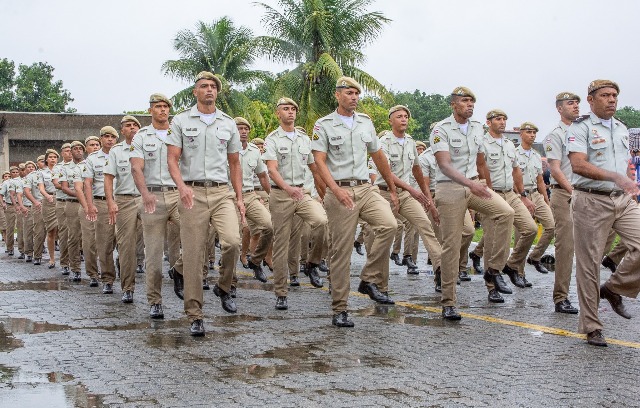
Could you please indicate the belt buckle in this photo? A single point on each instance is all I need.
(208, 183)
(353, 183)
(164, 189)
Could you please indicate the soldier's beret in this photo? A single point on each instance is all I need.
(65, 146)
(494, 113)
(6, 172)
(12, 168)
(77, 143)
(348, 82)
(242, 121)
(129, 118)
(211, 76)
(420, 143)
(567, 96)
(21, 166)
(398, 108)
(40, 158)
(602, 83)
(158, 97)
(287, 101)
(29, 162)
(463, 91)
(89, 138)
(51, 151)
(109, 130)
(257, 140)
(528, 126)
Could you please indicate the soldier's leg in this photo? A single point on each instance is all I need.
(526, 226)
(10, 214)
(63, 233)
(563, 245)
(626, 280)
(295, 244)
(545, 217)
(74, 241)
(27, 235)
(468, 232)
(127, 237)
(261, 218)
(88, 242)
(618, 252)
(104, 238)
(225, 222)
(154, 226)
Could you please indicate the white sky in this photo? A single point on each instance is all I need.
(514, 54)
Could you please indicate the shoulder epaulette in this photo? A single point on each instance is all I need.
(225, 115)
(408, 136)
(96, 152)
(251, 145)
(580, 118)
(142, 128)
(324, 118)
(363, 115)
(118, 144)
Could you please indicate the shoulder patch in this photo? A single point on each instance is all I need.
(580, 118)
(549, 148)
(315, 136)
(436, 139)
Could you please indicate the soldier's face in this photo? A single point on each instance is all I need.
(206, 91)
(569, 109)
(128, 129)
(78, 152)
(66, 154)
(108, 140)
(41, 164)
(244, 132)
(159, 112)
(15, 173)
(463, 106)
(348, 98)
(6, 176)
(604, 102)
(22, 172)
(287, 114)
(399, 121)
(260, 147)
(420, 149)
(30, 167)
(497, 124)
(528, 136)
(92, 146)
(52, 160)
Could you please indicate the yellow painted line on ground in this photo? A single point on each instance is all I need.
(496, 320)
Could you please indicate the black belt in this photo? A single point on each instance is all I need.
(552, 186)
(73, 200)
(531, 191)
(205, 183)
(293, 185)
(502, 191)
(127, 195)
(8, 203)
(248, 191)
(351, 183)
(103, 198)
(612, 193)
(258, 188)
(162, 189)
(385, 188)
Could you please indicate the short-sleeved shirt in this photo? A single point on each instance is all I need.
(293, 156)
(119, 166)
(448, 137)
(402, 157)
(72, 173)
(606, 147)
(204, 147)
(93, 169)
(46, 178)
(31, 182)
(6, 187)
(500, 156)
(555, 148)
(256, 179)
(149, 145)
(428, 165)
(530, 163)
(57, 174)
(346, 148)
(19, 184)
(252, 165)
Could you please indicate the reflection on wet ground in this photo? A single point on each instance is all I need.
(19, 325)
(20, 388)
(402, 315)
(40, 285)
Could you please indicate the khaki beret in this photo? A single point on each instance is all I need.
(348, 82)
(78, 143)
(65, 146)
(21, 166)
(528, 126)
(158, 97)
(129, 118)
(40, 158)
(602, 83)
(287, 101)
(257, 140)
(463, 91)
(12, 168)
(398, 108)
(301, 129)
(494, 113)
(109, 130)
(51, 151)
(6, 172)
(567, 96)
(211, 76)
(421, 144)
(29, 162)
(242, 121)
(88, 139)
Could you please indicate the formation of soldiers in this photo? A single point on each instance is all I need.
(174, 188)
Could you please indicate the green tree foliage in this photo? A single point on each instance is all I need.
(32, 89)
(425, 109)
(629, 116)
(325, 40)
(221, 48)
(379, 114)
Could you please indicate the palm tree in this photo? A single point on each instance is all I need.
(221, 48)
(325, 39)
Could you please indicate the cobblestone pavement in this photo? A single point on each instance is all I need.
(65, 344)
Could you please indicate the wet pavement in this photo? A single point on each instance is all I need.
(67, 345)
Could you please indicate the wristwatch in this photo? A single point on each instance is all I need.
(524, 194)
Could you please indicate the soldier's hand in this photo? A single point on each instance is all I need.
(480, 190)
(37, 204)
(629, 186)
(435, 214)
(418, 195)
(50, 198)
(149, 201)
(113, 213)
(345, 198)
(92, 213)
(242, 211)
(186, 196)
(297, 193)
(531, 207)
(394, 201)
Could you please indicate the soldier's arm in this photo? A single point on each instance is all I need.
(542, 188)
(321, 187)
(483, 170)
(80, 194)
(276, 177)
(264, 181)
(558, 175)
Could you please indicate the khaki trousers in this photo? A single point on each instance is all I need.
(618, 252)
(376, 212)
(126, 231)
(154, 229)
(283, 208)
(72, 211)
(104, 240)
(38, 231)
(412, 240)
(544, 216)
(397, 239)
(210, 205)
(20, 227)
(468, 232)
(297, 245)
(63, 233)
(27, 231)
(259, 219)
(360, 237)
(12, 219)
(173, 244)
(3, 220)
(452, 201)
(88, 240)
(597, 215)
(564, 243)
(411, 210)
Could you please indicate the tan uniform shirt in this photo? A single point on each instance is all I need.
(150, 146)
(94, 169)
(463, 148)
(555, 147)
(57, 173)
(71, 173)
(119, 166)
(46, 178)
(429, 165)
(31, 181)
(605, 147)
(204, 147)
(346, 148)
(500, 155)
(293, 156)
(252, 165)
(402, 157)
(20, 182)
(530, 163)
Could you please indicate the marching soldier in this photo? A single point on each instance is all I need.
(36, 230)
(12, 210)
(61, 201)
(48, 191)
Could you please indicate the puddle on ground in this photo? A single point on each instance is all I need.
(175, 340)
(21, 388)
(392, 314)
(39, 285)
(7, 341)
(20, 325)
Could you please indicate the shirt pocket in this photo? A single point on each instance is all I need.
(599, 145)
(150, 150)
(124, 167)
(336, 144)
(252, 163)
(283, 154)
(223, 137)
(191, 138)
(304, 153)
